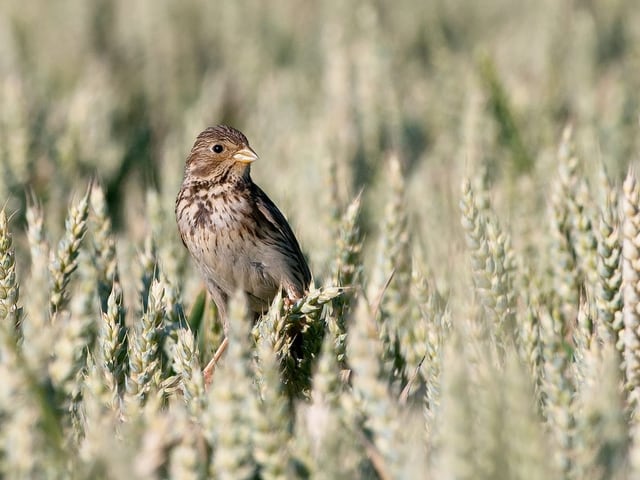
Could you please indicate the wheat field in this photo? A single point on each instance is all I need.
(461, 175)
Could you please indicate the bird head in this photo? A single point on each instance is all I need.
(218, 151)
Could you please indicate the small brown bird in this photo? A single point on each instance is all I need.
(235, 233)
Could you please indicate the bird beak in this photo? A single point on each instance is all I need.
(245, 155)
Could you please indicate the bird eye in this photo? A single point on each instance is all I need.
(217, 148)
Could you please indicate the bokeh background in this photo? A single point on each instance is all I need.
(397, 101)
(119, 91)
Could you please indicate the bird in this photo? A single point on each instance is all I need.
(237, 236)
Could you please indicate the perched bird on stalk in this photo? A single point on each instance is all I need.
(234, 232)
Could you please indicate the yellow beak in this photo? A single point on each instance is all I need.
(245, 155)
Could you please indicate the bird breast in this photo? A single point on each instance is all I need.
(215, 225)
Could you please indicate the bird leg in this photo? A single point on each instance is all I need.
(207, 373)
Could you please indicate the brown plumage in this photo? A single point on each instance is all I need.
(235, 233)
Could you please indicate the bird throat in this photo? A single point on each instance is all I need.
(211, 203)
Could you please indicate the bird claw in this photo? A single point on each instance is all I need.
(288, 303)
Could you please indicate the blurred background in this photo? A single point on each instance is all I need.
(401, 101)
(325, 91)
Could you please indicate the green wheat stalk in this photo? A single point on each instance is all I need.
(114, 342)
(10, 312)
(104, 246)
(145, 347)
(64, 262)
(609, 292)
(492, 268)
(631, 295)
(187, 367)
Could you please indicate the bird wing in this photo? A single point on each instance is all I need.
(283, 245)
